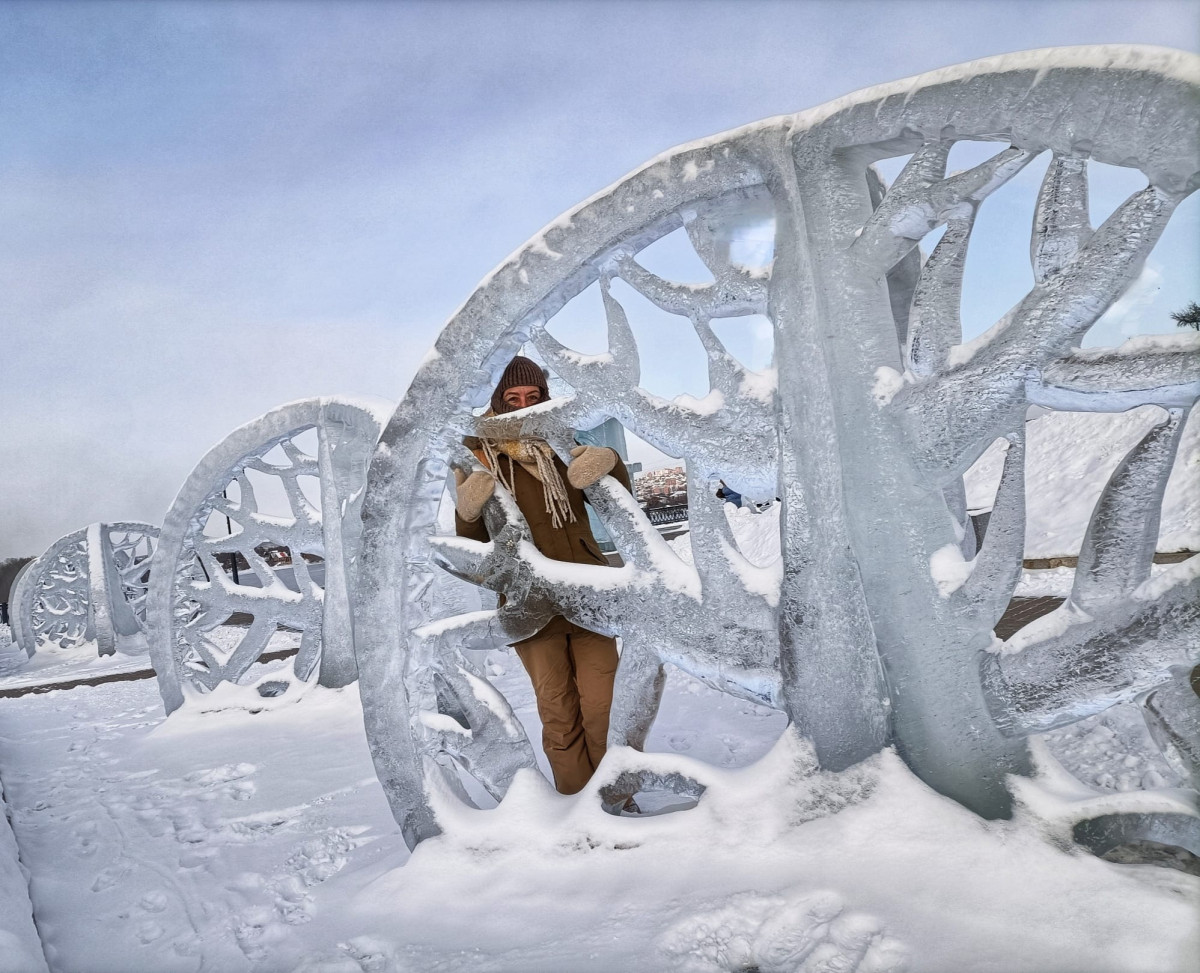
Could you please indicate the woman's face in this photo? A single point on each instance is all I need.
(522, 396)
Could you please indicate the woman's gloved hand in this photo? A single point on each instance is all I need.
(472, 493)
(588, 464)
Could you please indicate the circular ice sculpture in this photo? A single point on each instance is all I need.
(89, 585)
(880, 630)
(209, 578)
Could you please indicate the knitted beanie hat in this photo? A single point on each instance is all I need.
(520, 371)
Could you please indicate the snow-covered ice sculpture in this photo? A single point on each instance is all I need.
(1172, 712)
(89, 585)
(199, 586)
(878, 629)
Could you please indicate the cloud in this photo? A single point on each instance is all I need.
(1128, 314)
(213, 209)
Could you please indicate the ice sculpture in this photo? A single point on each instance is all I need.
(200, 586)
(880, 630)
(89, 585)
(1172, 713)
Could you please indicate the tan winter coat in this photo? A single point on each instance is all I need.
(572, 542)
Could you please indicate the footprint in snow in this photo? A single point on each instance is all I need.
(292, 901)
(241, 790)
(153, 820)
(110, 877)
(220, 775)
(196, 857)
(188, 827)
(732, 747)
(319, 859)
(149, 931)
(681, 741)
(257, 931)
(372, 955)
(188, 944)
(154, 901)
(85, 839)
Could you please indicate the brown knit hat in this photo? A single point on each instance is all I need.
(520, 371)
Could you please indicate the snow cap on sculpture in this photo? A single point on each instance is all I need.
(521, 371)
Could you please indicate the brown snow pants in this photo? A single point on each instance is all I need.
(572, 674)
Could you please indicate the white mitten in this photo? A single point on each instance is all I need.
(472, 493)
(588, 464)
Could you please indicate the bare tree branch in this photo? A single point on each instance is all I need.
(477, 729)
(735, 657)
(902, 278)
(1061, 309)
(1119, 632)
(1064, 399)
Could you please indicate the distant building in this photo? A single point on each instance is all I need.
(660, 486)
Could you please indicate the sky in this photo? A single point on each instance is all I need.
(209, 209)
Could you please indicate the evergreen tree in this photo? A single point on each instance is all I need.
(1189, 317)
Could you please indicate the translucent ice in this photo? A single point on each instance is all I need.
(873, 412)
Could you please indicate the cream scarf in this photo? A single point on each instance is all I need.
(536, 456)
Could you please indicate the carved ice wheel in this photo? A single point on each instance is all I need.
(89, 585)
(262, 538)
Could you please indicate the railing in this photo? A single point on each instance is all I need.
(668, 515)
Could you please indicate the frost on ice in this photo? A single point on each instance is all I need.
(297, 569)
(90, 585)
(878, 633)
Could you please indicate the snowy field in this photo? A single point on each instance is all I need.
(231, 841)
(1069, 458)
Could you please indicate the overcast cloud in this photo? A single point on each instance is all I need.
(209, 209)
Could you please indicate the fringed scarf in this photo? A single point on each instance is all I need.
(536, 456)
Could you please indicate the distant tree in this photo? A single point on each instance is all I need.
(1189, 317)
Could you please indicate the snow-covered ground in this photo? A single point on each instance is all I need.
(1069, 458)
(230, 841)
(756, 534)
(54, 664)
(20, 948)
(225, 839)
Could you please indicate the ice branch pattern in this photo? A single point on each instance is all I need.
(876, 627)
